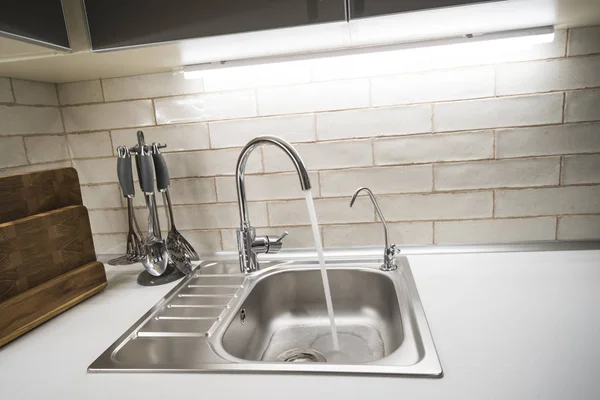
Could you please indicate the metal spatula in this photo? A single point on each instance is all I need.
(180, 250)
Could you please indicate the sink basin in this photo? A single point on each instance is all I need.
(276, 320)
(286, 310)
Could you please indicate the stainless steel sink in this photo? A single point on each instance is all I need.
(276, 320)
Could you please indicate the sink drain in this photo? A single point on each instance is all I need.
(301, 355)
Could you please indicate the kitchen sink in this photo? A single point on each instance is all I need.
(275, 320)
(286, 310)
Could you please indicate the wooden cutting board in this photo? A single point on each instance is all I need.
(36, 249)
(27, 310)
(36, 192)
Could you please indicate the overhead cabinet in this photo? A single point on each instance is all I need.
(36, 21)
(116, 23)
(371, 8)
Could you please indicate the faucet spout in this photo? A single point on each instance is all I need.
(390, 250)
(248, 244)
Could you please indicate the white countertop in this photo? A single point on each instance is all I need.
(506, 326)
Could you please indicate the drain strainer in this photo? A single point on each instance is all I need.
(301, 355)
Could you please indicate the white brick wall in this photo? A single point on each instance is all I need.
(583, 105)
(495, 230)
(205, 107)
(498, 112)
(497, 174)
(373, 122)
(434, 148)
(581, 169)
(495, 147)
(322, 96)
(434, 86)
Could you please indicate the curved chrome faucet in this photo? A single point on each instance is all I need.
(249, 245)
(390, 251)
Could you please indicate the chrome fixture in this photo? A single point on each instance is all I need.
(390, 251)
(249, 245)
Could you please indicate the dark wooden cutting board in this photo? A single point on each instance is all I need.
(36, 192)
(41, 247)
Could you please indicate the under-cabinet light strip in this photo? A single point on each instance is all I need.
(517, 37)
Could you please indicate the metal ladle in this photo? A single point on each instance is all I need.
(156, 256)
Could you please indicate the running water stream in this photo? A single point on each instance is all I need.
(315, 228)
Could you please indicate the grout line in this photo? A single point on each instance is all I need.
(433, 229)
(373, 163)
(320, 184)
(112, 143)
(567, 46)
(36, 105)
(495, 151)
(556, 228)
(262, 160)
(214, 180)
(154, 112)
(12, 91)
(221, 236)
(493, 204)
(268, 214)
(101, 91)
(62, 120)
(210, 147)
(26, 151)
(564, 107)
(433, 168)
(560, 171)
(58, 100)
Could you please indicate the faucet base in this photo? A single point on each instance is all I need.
(248, 260)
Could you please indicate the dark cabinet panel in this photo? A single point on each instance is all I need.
(122, 23)
(370, 8)
(39, 21)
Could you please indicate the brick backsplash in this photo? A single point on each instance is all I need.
(477, 148)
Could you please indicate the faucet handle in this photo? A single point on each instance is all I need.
(275, 244)
(280, 239)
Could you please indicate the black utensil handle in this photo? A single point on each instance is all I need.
(162, 172)
(125, 175)
(146, 173)
(138, 169)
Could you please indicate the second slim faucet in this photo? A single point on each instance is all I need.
(389, 253)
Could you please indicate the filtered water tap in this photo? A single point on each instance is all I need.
(390, 250)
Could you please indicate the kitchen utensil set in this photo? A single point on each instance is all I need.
(152, 251)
